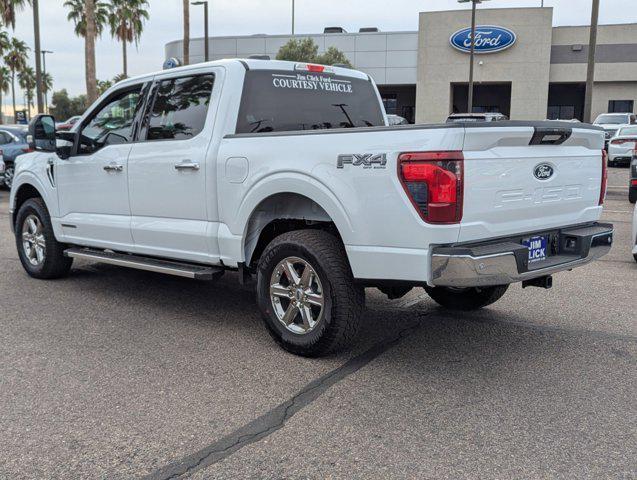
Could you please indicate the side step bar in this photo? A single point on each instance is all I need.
(187, 270)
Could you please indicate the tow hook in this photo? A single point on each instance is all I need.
(542, 282)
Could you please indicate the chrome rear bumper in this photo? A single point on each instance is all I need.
(505, 261)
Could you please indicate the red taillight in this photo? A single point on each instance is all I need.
(633, 182)
(27, 150)
(433, 182)
(602, 190)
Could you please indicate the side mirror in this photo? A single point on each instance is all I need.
(41, 136)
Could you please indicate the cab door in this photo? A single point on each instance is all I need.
(172, 169)
(93, 182)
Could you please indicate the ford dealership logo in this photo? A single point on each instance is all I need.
(543, 171)
(489, 39)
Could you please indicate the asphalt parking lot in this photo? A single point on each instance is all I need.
(114, 373)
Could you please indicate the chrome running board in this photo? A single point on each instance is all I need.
(179, 269)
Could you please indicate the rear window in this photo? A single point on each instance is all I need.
(612, 119)
(284, 101)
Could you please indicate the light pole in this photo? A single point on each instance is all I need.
(205, 21)
(590, 74)
(473, 47)
(293, 1)
(44, 90)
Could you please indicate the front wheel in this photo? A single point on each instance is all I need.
(307, 295)
(8, 176)
(472, 298)
(41, 255)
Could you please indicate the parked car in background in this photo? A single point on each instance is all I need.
(68, 124)
(632, 186)
(622, 146)
(635, 233)
(13, 143)
(397, 120)
(476, 117)
(611, 122)
(1, 165)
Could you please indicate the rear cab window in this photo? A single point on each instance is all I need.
(287, 101)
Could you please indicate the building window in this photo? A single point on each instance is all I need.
(621, 106)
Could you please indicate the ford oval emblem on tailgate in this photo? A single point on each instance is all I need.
(543, 171)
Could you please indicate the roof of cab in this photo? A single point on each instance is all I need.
(249, 64)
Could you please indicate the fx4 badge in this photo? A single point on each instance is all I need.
(366, 160)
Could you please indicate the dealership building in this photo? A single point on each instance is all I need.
(525, 67)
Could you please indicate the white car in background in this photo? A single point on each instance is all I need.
(611, 122)
(622, 146)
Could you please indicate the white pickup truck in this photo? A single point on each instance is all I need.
(289, 172)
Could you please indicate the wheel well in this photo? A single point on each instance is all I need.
(24, 193)
(281, 213)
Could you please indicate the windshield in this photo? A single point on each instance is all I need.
(284, 101)
(612, 119)
(628, 131)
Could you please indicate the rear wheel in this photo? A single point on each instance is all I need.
(41, 255)
(466, 299)
(307, 294)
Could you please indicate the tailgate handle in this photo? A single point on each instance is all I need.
(550, 136)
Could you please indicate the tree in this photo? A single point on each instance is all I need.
(27, 82)
(16, 60)
(119, 77)
(76, 15)
(47, 86)
(90, 17)
(8, 10)
(186, 42)
(63, 106)
(304, 50)
(5, 85)
(103, 85)
(333, 56)
(127, 23)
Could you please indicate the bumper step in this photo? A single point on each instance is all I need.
(178, 269)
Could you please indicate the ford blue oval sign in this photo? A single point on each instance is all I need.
(489, 39)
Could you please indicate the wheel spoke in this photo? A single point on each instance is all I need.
(39, 254)
(279, 290)
(293, 277)
(315, 299)
(290, 314)
(306, 278)
(39, 241)
(306, 316)
(32, 225)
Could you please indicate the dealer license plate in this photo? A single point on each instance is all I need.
(538, 248)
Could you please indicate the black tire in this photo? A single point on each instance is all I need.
(466, 299)
(338, 324)
(635, 256)
(632, 195)
(54, 263)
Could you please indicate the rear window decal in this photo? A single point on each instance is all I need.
(311, 82)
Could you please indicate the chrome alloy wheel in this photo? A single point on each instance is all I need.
(33, 241)
(8, 177)
(297, 295)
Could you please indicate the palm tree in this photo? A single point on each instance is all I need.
(47, 86)
(127, 23)
(186, 58)
(5, 85)
(16, 60)
(26, 80)
(8, 10)
(89, 17)
(76, 15)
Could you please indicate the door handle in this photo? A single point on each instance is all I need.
(113, 168)
(187, 165)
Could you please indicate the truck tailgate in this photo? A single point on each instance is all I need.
(530, 177)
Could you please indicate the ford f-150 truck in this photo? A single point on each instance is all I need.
(289, 172)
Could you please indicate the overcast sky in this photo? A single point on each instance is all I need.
(245, 17)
